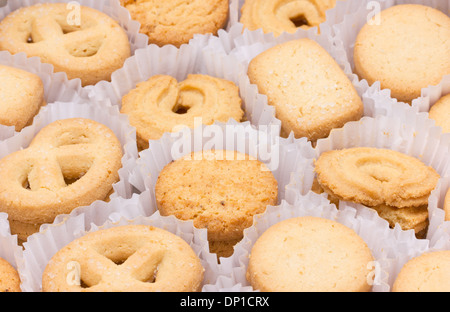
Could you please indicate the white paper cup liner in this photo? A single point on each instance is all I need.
(282, 157)
(431, 95)
(9, 247)
(235, 35)
(383, 242)
(345, 32)
(108, 116)
(57, 87)
(179, 63)
(42, 246)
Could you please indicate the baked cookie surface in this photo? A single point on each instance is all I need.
(278, 16)
(9, 277)
(310, 92)
(218, 190)
(396, 185)
(309, 254)
(177, 21)
(90, 48)
(21, 97)
(429, 272)
(69, 163)
(133, 258)
(408, 51)
(440, 112)
(162, 104)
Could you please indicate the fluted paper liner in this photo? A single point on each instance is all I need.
(281, 156)
(9, 247)
(236, 35)
(179, 63)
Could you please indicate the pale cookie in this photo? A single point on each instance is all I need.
(396, 185)
(279, 16)
(70, 163)
(21, 97)
(9, 277)
(440, 112)
(175, 22)
(132, 258)
(429, 272)
(310, 92)
(447, 206)
(89, 46)
(219, 190)
(406, 49)
(162, 104)
(309, 254)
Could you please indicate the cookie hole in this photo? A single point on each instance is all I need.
(84, 285)
(30, 39)
(26, 184)
(300, 20)
(69, 180)
(181, 110)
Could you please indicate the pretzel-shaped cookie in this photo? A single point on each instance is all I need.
(375, 177)
(135, 258)
(280, 16)
(90, 49)
(160, 104)
(70, 163)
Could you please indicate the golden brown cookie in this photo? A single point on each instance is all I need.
(429, 272)
(133, 258)
(219, 190)
(310, 254)
(440, 112)
(279, 16)
(162, 104)
(89, 45)
(9, 277)
(70, 163)
(447, 206)
(177, 21)
(407, 51)
(21, 97)
(310, 92)
(396, 185)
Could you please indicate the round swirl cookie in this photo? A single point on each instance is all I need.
(429, 272)
(176, 22)
(278, 16)
(440, 112)
(90, 49)
(408, 49)
(162, 104)
(309, 90)
(9, 277)
(21, 97)
(309, 254)
(218, 190)
(394, 184)
(131, 258)
(70, 163)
